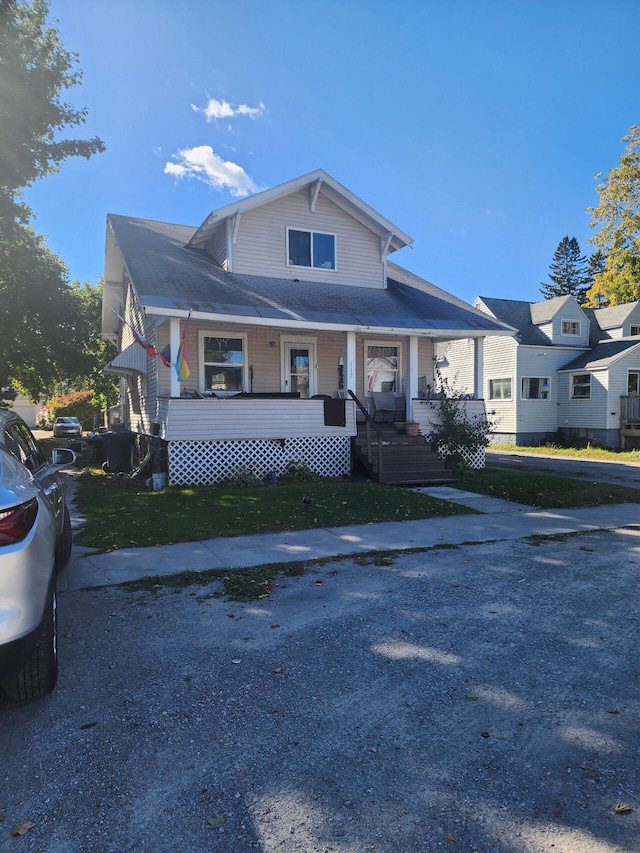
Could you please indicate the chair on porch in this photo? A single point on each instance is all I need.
(389, 408)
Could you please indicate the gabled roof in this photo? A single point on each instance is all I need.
(527, 317)
(172, 278)
(602, 356)
(614, 316)
(517, 314)
(317, 181)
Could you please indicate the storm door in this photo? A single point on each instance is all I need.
(300, 367)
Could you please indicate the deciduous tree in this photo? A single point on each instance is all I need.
(35, 299)
(617, 216)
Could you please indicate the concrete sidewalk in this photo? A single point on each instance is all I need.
(500, 520)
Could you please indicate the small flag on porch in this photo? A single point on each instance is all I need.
(182, 362)
(144, 343)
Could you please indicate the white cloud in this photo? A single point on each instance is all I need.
(223, 109)
(203, 164)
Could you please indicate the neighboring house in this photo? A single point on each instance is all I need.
(278, 297)
(568, 369)
(27, 409)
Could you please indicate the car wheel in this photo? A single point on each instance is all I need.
(39, 675)
(65, 541)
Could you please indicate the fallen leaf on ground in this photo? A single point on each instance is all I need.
(22, 828)
(621, 808)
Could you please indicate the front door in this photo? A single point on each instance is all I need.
(300, 367)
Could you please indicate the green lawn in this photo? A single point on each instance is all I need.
(122, 513)
(575, 453)
(546, 491)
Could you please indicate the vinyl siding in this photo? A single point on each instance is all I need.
(571, 311)
(500, 363)
(583, 413)
(541, 362)
(193, 420)
(262, 242)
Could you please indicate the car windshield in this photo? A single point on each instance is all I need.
(67, 420)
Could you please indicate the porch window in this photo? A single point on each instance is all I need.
(500, 389)
(571, 327)
(633, 382)
(382, 367)
(581, 386)
(535, 387)
(223, 361)
(311, 249)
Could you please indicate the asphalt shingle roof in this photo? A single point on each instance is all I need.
(602, 356)
(166, 274)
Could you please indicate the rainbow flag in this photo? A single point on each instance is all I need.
(182, 362)
(144, 343)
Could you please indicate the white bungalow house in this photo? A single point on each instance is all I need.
(278, 298)
(568, 369)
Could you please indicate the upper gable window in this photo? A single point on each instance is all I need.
(571, 327)
(311, 249)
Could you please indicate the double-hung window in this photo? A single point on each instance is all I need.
(633, 382)
(581, 386)
(311, 249)
(634, 331)
(571, 327)
(223, 362)
(382, 363)
(500, 389)
(535, 387)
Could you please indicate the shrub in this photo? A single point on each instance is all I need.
(301, 473)
(244, 478)
(79, 404)
(459, 435)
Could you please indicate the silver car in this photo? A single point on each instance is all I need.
(67, 427)
(35, 543)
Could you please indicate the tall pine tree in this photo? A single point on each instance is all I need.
(569, 273)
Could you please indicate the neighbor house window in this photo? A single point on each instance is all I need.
(633, 382)
(311, 249)
(382, 366)
(535, 388)
(570, 327)
(635, 331)
(223, 362)
(500, 389)
(581, 386)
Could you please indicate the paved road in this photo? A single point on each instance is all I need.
(618, 473)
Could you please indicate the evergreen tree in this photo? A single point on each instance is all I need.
(568, 272)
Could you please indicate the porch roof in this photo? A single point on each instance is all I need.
(170, 278)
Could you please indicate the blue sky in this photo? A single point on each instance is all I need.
(475, 126)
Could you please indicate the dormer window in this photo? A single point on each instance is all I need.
(635, 331)
(571, 327)
(311, 249)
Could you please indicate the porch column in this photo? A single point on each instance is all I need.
(478, 368)
(412, 374)
(350, 362)
(174, 343)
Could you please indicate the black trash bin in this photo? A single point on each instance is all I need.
(95, 449)
(118, 450)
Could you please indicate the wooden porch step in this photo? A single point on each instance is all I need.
(406, 460)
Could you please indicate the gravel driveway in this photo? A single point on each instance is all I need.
(478, 698)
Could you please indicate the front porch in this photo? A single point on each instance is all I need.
(209, 439)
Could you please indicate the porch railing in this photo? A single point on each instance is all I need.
(370, 426)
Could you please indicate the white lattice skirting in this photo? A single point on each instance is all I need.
(475, 459)
(205, 463)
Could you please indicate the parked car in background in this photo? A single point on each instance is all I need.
(67, 427)
(35, 543)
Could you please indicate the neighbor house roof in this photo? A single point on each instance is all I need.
(171, 277)
(602, 356)
(517, 313)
